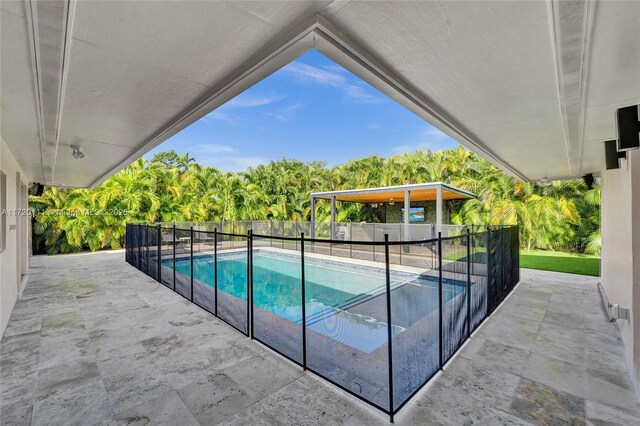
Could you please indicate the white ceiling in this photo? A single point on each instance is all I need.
(532, 86)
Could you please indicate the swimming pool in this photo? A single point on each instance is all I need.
(344, 301)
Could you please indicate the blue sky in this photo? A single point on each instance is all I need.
(311, 109)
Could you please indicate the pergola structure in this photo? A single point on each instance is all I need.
(432, 191)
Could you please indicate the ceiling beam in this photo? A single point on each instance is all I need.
(49, 26)
(571, 24)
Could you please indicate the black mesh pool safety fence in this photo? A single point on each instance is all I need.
(376, 318)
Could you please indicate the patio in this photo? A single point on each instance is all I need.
(93, 340)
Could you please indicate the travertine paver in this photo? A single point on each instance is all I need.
(94, 341)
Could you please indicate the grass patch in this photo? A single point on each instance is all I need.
(557, 261)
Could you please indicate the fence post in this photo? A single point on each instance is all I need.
(129, 242)
(389, 324)
(502, 268)
(137, 228)
(304, 303)
(146, 246)
(440, 339)
(174, 256)
(142, 249)
(140, 246)
(331, 239)
(473, 249)
(517, 253)
(215, 271)
(191, 260)
(468, 282)
(149, 228)
(250, 283)
(350, 240)
(159, 256)
(126, 243)
(373, 233)
(489, 261)
(143, 246)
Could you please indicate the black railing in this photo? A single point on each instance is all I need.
(378, 323)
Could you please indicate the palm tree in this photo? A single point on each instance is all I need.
(562, 216)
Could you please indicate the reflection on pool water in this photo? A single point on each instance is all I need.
(344, 301)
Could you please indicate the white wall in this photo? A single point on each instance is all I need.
(11, 282)
(621, 250)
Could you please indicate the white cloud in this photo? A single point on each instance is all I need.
(429, 139)
(213, 149)
(224, 157)
(433, 132)
(314, 75)
(223, 116)
(241, 101)
(249, 101)
(286, 113)
(335, 68)
(329, 77)
(359, 95)
(233, 163)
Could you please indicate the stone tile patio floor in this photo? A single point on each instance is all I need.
(94, 341)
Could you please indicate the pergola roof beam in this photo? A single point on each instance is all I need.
(419, 192)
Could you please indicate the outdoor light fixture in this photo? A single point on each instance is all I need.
(391, 202)
(36, 189)
(76, 152)
(588, 180)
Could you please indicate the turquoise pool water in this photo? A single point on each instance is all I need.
(344, 301)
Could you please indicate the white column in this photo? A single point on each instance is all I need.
(438, 208)
(407, 214)
(313, 217)
(333, 217)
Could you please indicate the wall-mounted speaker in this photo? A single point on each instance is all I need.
(628, 128)
(36, 189)
(611, 155)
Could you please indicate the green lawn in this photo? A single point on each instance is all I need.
(572, 263)
(557, 261)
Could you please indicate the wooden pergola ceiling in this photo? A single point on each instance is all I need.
(425, 192)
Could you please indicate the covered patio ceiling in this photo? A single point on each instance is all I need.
(531, 86)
